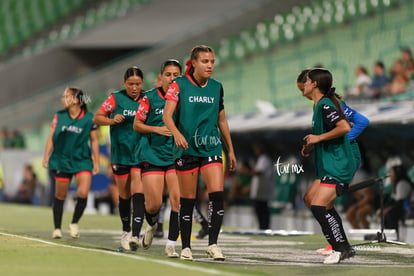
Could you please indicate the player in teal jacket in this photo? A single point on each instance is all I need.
(198, 130)
(68, 154)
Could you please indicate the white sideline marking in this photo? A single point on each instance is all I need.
(168, 263)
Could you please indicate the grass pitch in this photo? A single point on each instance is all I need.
(26, 248)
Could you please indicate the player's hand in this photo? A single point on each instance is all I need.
(118, 118)
(163, 130)
(306, 149)
(180, 141)
(232, 162)
(96, 168)
(311, 139)
(45, 163)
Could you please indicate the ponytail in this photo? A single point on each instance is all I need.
(189, 70)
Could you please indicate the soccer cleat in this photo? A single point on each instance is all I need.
(186, 254)
(202, 233)
(74, 230)
(214, 252)
(333, 258)
(325, 251)
(125, 238)
(57, 234)
(348, 253)
(148, 236)
(134, 243)
(170, 251)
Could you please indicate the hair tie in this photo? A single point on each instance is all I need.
(189, 65)
(331, 92)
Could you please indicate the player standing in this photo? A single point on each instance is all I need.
(198, 130)
(67, 154)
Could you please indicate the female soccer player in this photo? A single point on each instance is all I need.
(118, 111)
(359, 123)
(67, 153)
(198, 131)
(155, 152)
(335, 164)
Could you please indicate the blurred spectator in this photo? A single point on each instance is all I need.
(363, 81)
(18, 141)
(26, 192)
(408, 62)
(1, 183)
(395, 207)
(367, 202)
(379, 80)
(399, 78)
(110, 196)
(262, 188)
(7, 142)
(240, 187)
(407, 58)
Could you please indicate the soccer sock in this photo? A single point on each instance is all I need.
(335, 214)
(186, 220)
(330, 228)
(173, 230)
(215, 215)
(199, 217)
(124, 207)
(152, 218)
(138, 210)
(79, 208)
(57, 212)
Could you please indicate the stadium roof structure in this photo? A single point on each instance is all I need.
(379, 113)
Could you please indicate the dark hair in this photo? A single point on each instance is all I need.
(133, 71)
(363, 69)
(302, 79)
(401, 174)
(380, 64)
(302, 76)
(170, 62)
(194, 55)
(200, 48)
(30, 168)
(323, 79)
(78, 94)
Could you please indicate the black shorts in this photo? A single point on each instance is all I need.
(63, 176)
(148, 168)
(121, 171)
(189, 163)
(341, 188)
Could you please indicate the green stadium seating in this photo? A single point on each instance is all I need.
(360, 38)
(24, 19)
